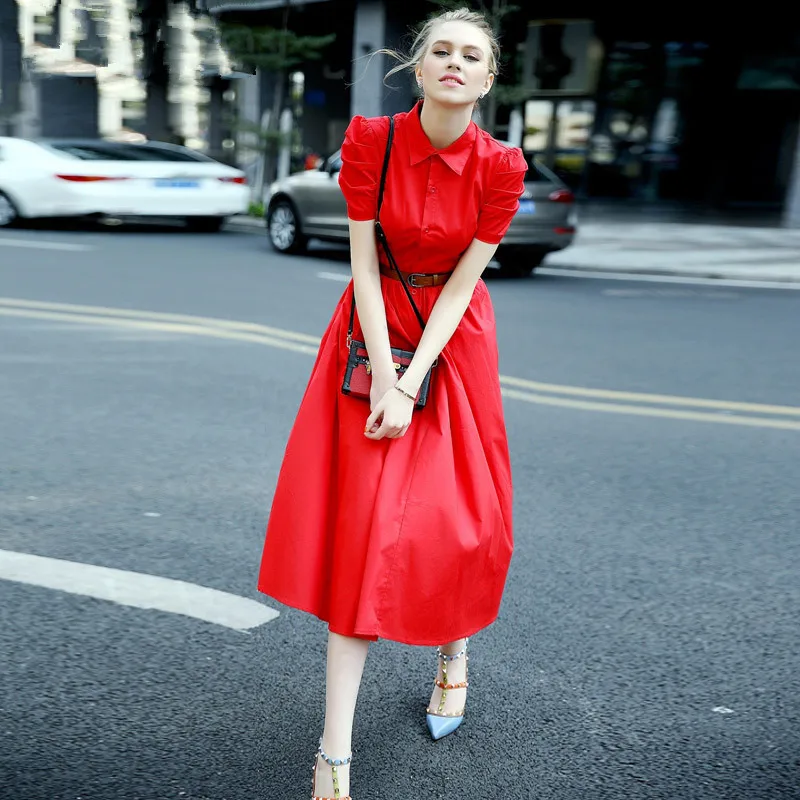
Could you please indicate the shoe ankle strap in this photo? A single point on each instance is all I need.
(446, 657)
(333, 762)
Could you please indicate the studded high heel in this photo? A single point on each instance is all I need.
(440, 722)
(334, 764)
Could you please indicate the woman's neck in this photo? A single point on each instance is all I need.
(443, 124)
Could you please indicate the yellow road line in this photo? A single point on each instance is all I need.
(659, 399)
(125, 313)
(644, 411)
(168, 327)
(298, 342)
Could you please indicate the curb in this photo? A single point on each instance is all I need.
(249, 224)
(709, 274)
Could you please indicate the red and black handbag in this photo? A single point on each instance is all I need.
(358, 374)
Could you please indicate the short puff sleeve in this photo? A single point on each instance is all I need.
(362, 158)
(501, 196)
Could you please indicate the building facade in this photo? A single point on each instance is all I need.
(75, 68)
(698, 109)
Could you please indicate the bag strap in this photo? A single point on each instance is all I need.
(379, 232)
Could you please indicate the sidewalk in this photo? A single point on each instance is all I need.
(627, 245)
(681, 249)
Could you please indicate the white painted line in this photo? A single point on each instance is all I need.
(78, 248)
(135, 589)
(334, 276)
(647, 278)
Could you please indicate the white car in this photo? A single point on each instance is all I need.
(94, 177)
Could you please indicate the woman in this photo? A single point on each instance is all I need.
(390, 522)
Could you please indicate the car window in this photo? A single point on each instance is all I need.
(116, 151)
(153, 152)
(538, 172)
(88, 152)
(332, 163)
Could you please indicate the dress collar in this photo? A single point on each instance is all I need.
(454, 155)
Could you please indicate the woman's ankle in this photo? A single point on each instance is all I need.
(454, 647)
(336, 745)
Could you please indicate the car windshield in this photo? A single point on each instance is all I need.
(538, 172)
(117, 151)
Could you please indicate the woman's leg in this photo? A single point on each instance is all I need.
(456, 673)
(345, 665)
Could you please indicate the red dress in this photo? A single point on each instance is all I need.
(405, 539)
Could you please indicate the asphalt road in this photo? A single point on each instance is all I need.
(648, 643)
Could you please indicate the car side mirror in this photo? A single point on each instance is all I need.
(332, 167)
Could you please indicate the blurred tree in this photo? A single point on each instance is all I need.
(273, 51)
(154, 19)
(508, 91)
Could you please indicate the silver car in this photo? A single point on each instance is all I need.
(310, 205)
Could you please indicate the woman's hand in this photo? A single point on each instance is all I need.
(382, 382)
(391, 414)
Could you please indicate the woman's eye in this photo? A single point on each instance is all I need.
(471, 57)
(440, 52)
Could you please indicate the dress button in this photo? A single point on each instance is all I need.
(433, 190)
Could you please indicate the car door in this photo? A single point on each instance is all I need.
(27, 177)
(330, 209)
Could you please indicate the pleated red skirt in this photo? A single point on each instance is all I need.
(404, 539)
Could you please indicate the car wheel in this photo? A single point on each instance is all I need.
(205, 224)
(283, 228)
(520, 263)
(8, 212)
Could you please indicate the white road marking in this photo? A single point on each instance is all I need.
(712, 295)
(151, 514)
(341, 277)
(641, 276)
(722, 710)
(135, 589)
(78, 248)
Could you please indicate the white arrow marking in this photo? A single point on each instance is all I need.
(135, 589)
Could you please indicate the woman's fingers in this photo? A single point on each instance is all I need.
(388, 431)
(372, 419)
(390, 418)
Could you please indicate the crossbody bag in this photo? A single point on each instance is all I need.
(358, 374)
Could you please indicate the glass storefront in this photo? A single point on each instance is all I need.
(690, 118)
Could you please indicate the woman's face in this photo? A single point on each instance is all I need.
(455, 69)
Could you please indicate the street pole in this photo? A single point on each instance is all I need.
(791, 217)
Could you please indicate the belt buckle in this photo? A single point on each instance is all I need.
(412, 279)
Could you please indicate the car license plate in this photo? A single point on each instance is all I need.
(526, 207)
(173, 184)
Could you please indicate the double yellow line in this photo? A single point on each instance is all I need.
(695, 409)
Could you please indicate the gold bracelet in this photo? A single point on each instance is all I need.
(404, 392)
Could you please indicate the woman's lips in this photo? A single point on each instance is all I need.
(451, 82)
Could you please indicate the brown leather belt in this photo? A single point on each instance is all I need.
(417, 279)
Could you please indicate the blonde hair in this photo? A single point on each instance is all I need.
(422, 39)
